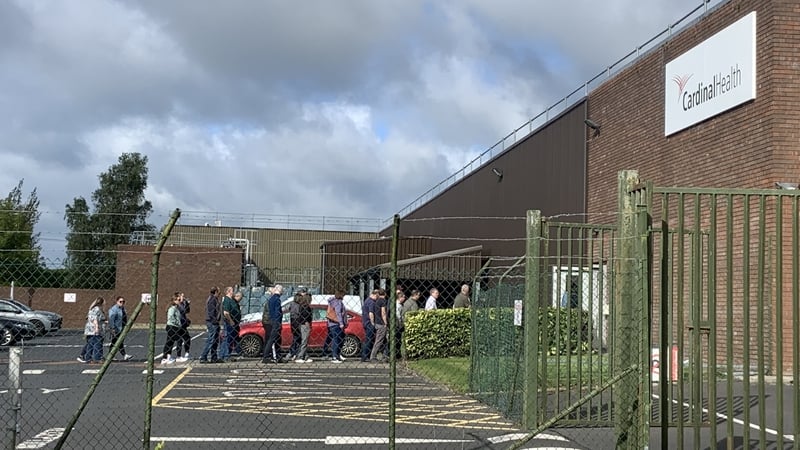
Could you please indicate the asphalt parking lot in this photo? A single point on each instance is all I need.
(243, 403)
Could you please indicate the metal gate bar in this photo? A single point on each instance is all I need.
(728, 266)
(710, 275)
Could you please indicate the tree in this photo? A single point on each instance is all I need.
(19, 244)
(120, 209)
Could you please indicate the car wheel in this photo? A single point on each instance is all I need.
(6, 337)
(351, 346)
(251, 346)
(40, 331)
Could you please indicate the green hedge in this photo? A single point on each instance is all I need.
(566, 331)
(444, 333)
(439, 333)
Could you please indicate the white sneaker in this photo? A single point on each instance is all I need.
(181, 359)
(81, 360)
(169, 360)
(342, 358)
(309, 360)
(336, 361)
(187, 356)
(299, 361)
(127, 357)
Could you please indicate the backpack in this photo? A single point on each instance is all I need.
(331, 314)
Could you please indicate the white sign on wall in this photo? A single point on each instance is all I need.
(518, 313)
(712, 77)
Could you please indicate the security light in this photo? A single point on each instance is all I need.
(786, 185)
(497, 172)
(592, 124)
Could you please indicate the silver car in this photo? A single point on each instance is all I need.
(44, 321)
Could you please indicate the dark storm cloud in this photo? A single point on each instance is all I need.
(373, 102)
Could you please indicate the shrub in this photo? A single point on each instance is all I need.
(566, 330)
(439, 333)
(444, 333)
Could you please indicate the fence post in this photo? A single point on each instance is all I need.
(626, 354)
(101, 373)
(393, 350)
(15, 388)
(152, 339)
(530, 417)
(644, 308)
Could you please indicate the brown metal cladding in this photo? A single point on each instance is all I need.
(370, 253)
(269, 248)
(545, 171)
(458, 265)
(343, 260)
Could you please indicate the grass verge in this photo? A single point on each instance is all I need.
(451, 372)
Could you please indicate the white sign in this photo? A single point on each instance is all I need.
(518, 313)
(655, 365)
(146, 297)
(712, 77)
(70, 298)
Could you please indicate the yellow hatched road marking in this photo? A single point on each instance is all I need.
(168, 387)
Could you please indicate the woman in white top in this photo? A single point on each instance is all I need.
(95, 326)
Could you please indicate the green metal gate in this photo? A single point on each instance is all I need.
(676, 327)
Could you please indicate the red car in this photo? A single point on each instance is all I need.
(252, 334)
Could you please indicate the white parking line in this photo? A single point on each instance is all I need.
(41, 439)
(328, 440)
(357, 440)
(518, 436)
(230, 439)
(788, 437)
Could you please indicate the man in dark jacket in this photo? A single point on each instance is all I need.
(294, 322)
(271, 321)
(306, 317)
(368, 322)
(213, 315)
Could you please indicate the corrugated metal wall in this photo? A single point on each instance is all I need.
(344, 260)
(285, 256)
(545, 171)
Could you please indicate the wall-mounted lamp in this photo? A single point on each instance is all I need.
(593, 125)
(786, 185)
(498, 172)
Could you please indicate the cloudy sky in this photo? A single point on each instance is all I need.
(317, 108)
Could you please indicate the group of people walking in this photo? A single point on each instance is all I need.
(300, 318)
(375, 317)
(97, 325)
(177, 330)
(376, 314)
(223, 317)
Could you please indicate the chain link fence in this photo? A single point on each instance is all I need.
(497, 373)
(516, 342)
(414, 390)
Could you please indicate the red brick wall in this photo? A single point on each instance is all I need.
(193, 270)
(752, 145)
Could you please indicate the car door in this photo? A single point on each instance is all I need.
(319, 327)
